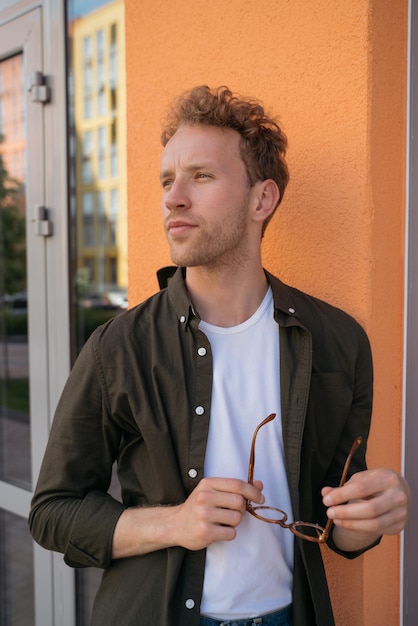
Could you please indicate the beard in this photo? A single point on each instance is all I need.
(213, 245)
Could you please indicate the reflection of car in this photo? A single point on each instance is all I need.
(118, 298)
(111, 301)
(16, 303)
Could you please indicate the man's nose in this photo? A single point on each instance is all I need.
(177, 197)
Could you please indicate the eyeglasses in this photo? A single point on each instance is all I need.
(305, 530)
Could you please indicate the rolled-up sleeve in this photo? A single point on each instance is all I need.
(71, 510)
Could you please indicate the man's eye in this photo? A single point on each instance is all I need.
(166, 183)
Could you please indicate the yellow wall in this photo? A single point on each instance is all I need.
(334, 73)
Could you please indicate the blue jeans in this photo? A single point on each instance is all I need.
(283, 617)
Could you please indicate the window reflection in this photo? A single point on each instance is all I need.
(96, 93)
(14, 357)
(98, 177)
(87, 156)
(101, 72)
(87, 78)
(102, 153)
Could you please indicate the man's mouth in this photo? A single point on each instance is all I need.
(178, 227)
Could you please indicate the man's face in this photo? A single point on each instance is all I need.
(205, 198)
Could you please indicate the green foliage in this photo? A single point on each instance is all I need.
(15, 394)
(15, 324)
(12, 235)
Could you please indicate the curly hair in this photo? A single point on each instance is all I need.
(263, 144)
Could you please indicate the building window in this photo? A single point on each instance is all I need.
(87, 156)
(101, 152)
(113, 216)
(88, 77)
(88, 220)
(113, 61)
(113, 150)
(101, 75)
(101, 214)
(113, 270)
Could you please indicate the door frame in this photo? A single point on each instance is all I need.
(409, 608)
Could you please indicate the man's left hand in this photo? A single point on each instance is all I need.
(372, 503)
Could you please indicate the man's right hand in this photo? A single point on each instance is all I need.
(211, 513)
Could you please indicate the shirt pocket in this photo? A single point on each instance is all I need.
(329, 404)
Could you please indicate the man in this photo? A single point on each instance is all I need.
(174, 390)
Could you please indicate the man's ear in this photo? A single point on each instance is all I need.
(266, 199)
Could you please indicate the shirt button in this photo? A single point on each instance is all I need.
(183, 319)
(201, 351)
(192, 473)
(190, 604)
(199, 410)
(291, 310)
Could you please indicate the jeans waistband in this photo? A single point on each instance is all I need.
(283, 617)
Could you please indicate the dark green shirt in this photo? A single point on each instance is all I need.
(140, 394)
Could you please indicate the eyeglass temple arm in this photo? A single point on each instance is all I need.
(357, 441)
(268, 419)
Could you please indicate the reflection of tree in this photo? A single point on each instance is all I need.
(12, 236)
(12, 249)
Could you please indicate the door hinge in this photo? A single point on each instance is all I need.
(38, 87)
(42, 225)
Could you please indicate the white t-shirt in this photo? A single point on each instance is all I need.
(252, 574)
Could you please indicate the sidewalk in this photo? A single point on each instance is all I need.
(14, 359)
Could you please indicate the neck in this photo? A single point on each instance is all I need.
(226, 298)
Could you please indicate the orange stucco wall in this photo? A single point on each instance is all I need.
(335, 74)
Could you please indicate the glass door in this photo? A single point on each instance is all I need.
(23, 315)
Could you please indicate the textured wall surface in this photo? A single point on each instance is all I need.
(335, 75)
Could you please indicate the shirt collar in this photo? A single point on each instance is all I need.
(180, 298)
(282, 295)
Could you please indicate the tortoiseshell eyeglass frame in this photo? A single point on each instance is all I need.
(318, 534)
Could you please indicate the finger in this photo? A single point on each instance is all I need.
(205, 498)
(390, 523)
(234, 486)
(223, 517)
(358, 509)
(385, 514)
(209, 529)
(366, 485)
